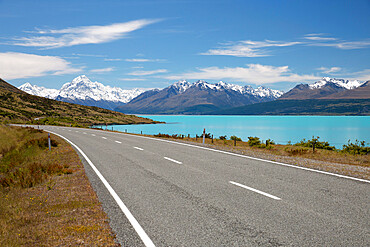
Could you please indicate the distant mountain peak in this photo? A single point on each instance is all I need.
(347, 84)
(82, 90)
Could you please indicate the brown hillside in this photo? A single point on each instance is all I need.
(4, 86)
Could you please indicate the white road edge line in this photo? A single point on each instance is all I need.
(252, 158)
(118, 141)
(255, 190)
(140, 231)
(139, 148)
(178, 162)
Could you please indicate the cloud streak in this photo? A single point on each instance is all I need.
(103, 70)
(147, 72)
(143, 60)
(49, 39)
(15, 65)
(252, 73)
(330, 70)
(249, 48)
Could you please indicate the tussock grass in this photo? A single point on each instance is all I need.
(45, 197)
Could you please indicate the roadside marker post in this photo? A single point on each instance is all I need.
(204, 135)
(49, 142)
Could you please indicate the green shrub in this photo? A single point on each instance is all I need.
(318, 144)
(254, 141)
(235, 138)
(356, 148)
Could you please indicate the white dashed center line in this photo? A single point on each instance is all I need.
(178, 162)
(139, 148)
(84, 133)
(118, 141)
(93, 134)
(254, 190)
(103, 137)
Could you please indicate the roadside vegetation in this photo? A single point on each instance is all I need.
(352, 160)
(45, 196)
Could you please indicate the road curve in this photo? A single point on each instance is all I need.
(181, 195)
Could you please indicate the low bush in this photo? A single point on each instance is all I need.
(318, 144)
(356, 148)
(254, 141)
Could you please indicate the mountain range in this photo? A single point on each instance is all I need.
(325, 97)
(184, 97)
(329, 88)
(202, 97)
(85, 92)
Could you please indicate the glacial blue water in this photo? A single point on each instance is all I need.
(337, 130)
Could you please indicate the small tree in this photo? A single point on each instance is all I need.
(235, 138)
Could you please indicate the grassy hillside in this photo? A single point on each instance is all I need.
(17, 106)
(304, 107)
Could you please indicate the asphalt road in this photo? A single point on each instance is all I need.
(182, 195)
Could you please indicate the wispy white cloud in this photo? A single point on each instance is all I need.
(15, 65)
(318, 37)
(252, 73)
(143, 60)
(330, 70)
(82, 35)
(248, 48)
(345, 45)
(363, 75)
(147, 72)
(132, 79)
(87, 55)
(112, 59)
(103, 70)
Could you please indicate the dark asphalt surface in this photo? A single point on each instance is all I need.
(194, 203)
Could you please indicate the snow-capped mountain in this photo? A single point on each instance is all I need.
(39, 91)
(184, 97)
(85, 92)
(82, 88)
(324, 88)
(182, 86)
(347, 84)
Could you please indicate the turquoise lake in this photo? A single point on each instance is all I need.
(337, 130)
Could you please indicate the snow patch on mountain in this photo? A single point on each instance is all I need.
(347, 84)
(39, 91)
(81, 88)
(263, 92)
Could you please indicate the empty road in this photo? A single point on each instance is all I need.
(160, 193)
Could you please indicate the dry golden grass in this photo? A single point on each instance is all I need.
(61, 210)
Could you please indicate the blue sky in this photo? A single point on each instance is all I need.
(151, 44)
